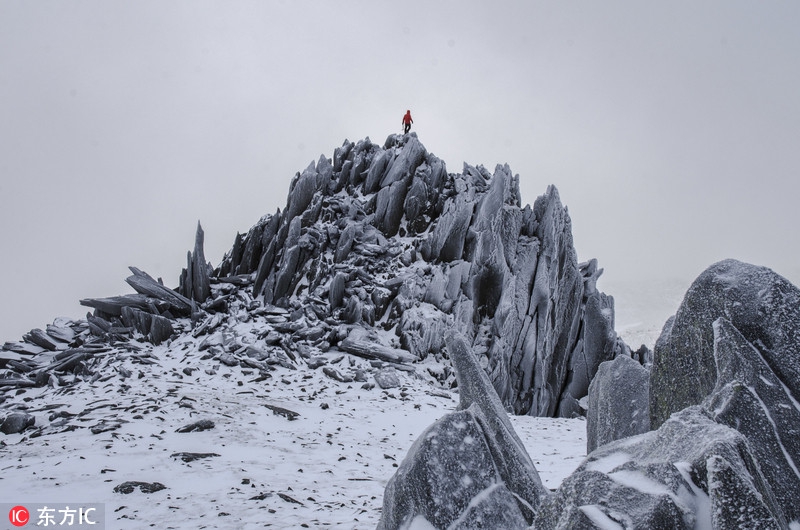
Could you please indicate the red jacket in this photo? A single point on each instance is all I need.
(407, 118)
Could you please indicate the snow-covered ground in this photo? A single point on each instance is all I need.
(325, 469)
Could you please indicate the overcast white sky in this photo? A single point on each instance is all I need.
(671, 129)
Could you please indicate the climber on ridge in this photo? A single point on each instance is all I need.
(407, 121)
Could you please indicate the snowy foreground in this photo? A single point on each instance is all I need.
(327, 468)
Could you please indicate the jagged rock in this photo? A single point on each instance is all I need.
(372, 350)
(750, 398)
(113, 305)
(156, 328)
(17, 422)
(449, 236)
(40, 338)
(143, 283)
(762, 305)
(336, 290)
(467, 467)
(498, 272)
(618, 402)
(195, 283)
(690, 473)
(422, 329)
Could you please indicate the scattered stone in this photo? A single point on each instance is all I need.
(261, 496)
(191, 457)
(286, 413)
(288, 498)
(144, 487)
(105, 426)
(17, 422)
(387, 378)
(336, 375)
(202, 425)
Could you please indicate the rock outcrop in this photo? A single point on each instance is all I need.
(751, 398)
(385, 235)
(618, 402)
(378, 252)
(469, 469)
(690, 473)
(762, 305)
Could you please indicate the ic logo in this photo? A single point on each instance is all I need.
(19, 516)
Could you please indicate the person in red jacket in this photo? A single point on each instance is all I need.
(407, 121)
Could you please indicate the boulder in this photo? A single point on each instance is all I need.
(469, 469)
(17, 422)
(387, 378)
(690, 473)
(618, 402)
(762, 305)
(750, 398)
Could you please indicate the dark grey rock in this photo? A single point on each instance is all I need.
(286, 413)
(387, 378)
(198, 426)
(762, 305)
(17, 422)
(191, 457)
(446, 243)
(687, 474)
(302, 192)
(143, 283)
(336, 375)
(345, 243)
(750, 398)
(336, 290)
(468, 470)
(618, 402)
(144, 487)
(445, 471)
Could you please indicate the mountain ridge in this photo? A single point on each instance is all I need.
(382, 243)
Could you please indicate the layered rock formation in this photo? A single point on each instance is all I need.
(385, 236)
(729, 461)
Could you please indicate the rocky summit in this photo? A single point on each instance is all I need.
(388, 279)
(378, 251)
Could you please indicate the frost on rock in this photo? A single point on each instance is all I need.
(384, 237)
(762, 305)
(618, 402)
(469, 469)
(690, 473)
(750, 398)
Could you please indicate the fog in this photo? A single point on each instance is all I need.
(670, 129)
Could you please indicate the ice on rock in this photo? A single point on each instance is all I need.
(618, 402)
(503, 487)
(761, 304)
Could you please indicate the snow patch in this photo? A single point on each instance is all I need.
(599, 518)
